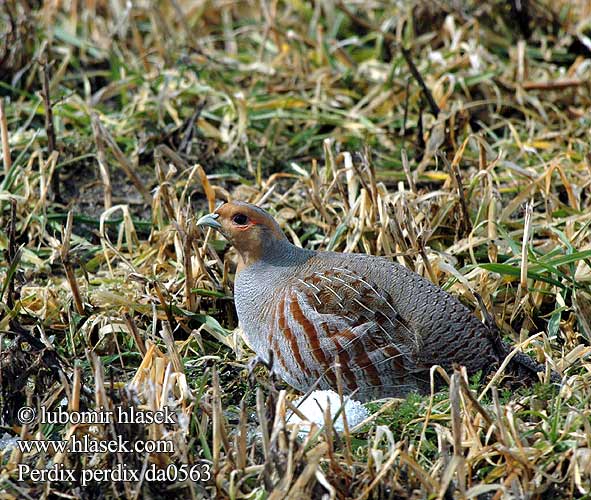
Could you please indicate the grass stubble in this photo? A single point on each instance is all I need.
(453, 138)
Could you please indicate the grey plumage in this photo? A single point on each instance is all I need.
(384, 324)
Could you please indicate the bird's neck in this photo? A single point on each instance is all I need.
(273, 253)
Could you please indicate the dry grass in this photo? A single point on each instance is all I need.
(464, 156)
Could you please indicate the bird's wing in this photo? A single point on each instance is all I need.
(338, 315)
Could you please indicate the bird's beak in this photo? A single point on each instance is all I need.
(210, 220)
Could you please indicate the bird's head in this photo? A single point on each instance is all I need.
(251, 230)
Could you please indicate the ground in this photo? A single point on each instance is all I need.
(450, 136)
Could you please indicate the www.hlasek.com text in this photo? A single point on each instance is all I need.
(86, 444)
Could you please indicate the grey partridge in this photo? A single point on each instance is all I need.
(383, 323)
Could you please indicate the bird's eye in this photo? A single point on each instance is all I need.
(240, 219)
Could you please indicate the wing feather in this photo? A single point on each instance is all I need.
(347, 320)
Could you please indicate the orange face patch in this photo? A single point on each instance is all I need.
(251, 216)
